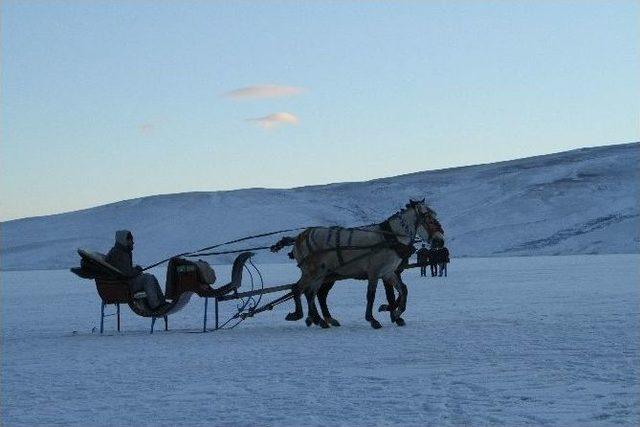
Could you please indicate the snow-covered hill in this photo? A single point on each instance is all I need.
(577, 202)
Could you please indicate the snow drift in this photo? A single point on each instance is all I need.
(577, 202)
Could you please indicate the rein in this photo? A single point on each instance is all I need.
(201, 251)
(386, 233)
(242, 239)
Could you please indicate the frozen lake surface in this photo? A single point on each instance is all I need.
(544, 340)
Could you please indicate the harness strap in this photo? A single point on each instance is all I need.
(388, 234)
(339, 249)
(308, 241)
(402, 250)
(371, 249)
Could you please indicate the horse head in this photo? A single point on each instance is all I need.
(429, 227)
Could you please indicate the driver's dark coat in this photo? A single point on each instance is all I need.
(121, 258)
(120, 255)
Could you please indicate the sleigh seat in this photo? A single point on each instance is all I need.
(184, 278)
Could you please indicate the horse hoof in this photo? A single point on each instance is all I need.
(383, 307)
(308, 321)
(293, 316)
(323, 324)
(400, 321)
(332, 321)
(375, 324)
(395, 314)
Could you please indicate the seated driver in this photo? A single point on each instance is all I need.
(121, 257)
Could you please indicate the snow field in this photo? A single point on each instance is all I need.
(537, 340)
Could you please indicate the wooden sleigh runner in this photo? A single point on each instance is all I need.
(184, 279)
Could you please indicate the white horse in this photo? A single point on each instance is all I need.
(367, 253)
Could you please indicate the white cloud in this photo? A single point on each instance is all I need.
(264, 91)
(276, 119)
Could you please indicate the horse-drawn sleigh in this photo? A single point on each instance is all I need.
(323, 254)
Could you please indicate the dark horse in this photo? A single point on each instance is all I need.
(392, 302)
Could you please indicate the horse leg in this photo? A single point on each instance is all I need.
(313, 316)
(393, 303)
(402, 296)
(391, 297)
(371, 297)
(401, 302)
(297, 292)
(402, 299)
(322, 299)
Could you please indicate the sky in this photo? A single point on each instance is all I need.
(110, 100)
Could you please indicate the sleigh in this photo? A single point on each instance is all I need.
(184, 279)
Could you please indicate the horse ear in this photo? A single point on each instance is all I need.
(422, 201)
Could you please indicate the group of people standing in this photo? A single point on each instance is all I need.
(437, 258)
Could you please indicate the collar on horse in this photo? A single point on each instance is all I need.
(402, 250)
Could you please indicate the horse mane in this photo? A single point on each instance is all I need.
(433, 213)
(398, 213)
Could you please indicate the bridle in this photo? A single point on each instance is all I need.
(426, 220)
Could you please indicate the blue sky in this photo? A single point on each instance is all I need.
(109, 100)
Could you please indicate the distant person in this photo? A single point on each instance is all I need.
(433, 261)
(443, 258)
(121, 257)
(423, 260)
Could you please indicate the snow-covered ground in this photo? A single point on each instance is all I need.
(538, 340)
(578, 202)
